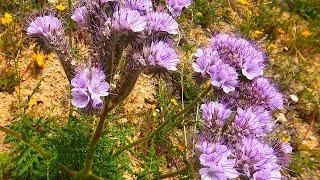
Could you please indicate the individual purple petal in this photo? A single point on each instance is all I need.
(128, 19)
(161, 22)
(80, 15)
(205, 147)
(80, 98)
(176, 6)
(139, 5)
(161, 53)
(81, 79)
(97, 102)
(215, 113)
(224, 76)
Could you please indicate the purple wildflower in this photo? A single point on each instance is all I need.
(224, 76)
(128, 19)
(257, 160)
(247, 122)
(282, 151)
(176, 6)
(139, 5)
(205, 58)
(215, 112)
(161, 53)
(89, 84)
(206, 147)
(239, 53)
(218, 164)
(80, 15)
(44, 26)
(161, 22)
(266, 94)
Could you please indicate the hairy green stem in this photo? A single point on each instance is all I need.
(156, 131)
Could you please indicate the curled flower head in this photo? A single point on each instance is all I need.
(89, 85)
(239, 53)
(80, 15)
(44, 26)
(176, 6)
(205, 58)
(224, 76)
(162, 54)
(257, 160)
(215, 113)
(266, 94)
(217, 164)
(139, 5)
(128, 19)
(161, 22)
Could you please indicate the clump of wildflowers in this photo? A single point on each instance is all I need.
(241, 119)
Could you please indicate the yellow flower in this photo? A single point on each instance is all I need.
(40, 59)
(306, 33)
(244, 2)
(174, 102)
(60, 7)
(272, 46)
(199, 14)
(6, 19)
(256, 34)
(154, 113)
(32, 102)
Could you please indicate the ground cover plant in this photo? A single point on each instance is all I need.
(215, 113)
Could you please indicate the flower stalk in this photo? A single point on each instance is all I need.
(165, 123)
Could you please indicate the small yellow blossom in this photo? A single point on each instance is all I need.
(7, 18)
(272, 46)
(153, 106)
(285, 138)
(257, 34)
(154, 113)
(199, 14)
(306, 33)
(280, 31)
(60, 7)
(244, 2)
(174, 102)
(40, 59)
(32, 102)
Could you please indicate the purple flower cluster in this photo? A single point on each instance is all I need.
(217, 162)
(89, 85)
(238, 124)
(80, 15)
(44, 26)
(176, 6)
(227, 56)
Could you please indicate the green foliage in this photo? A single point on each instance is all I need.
(303, 161)
(5, 164)
(151, 165)
(68, 146)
